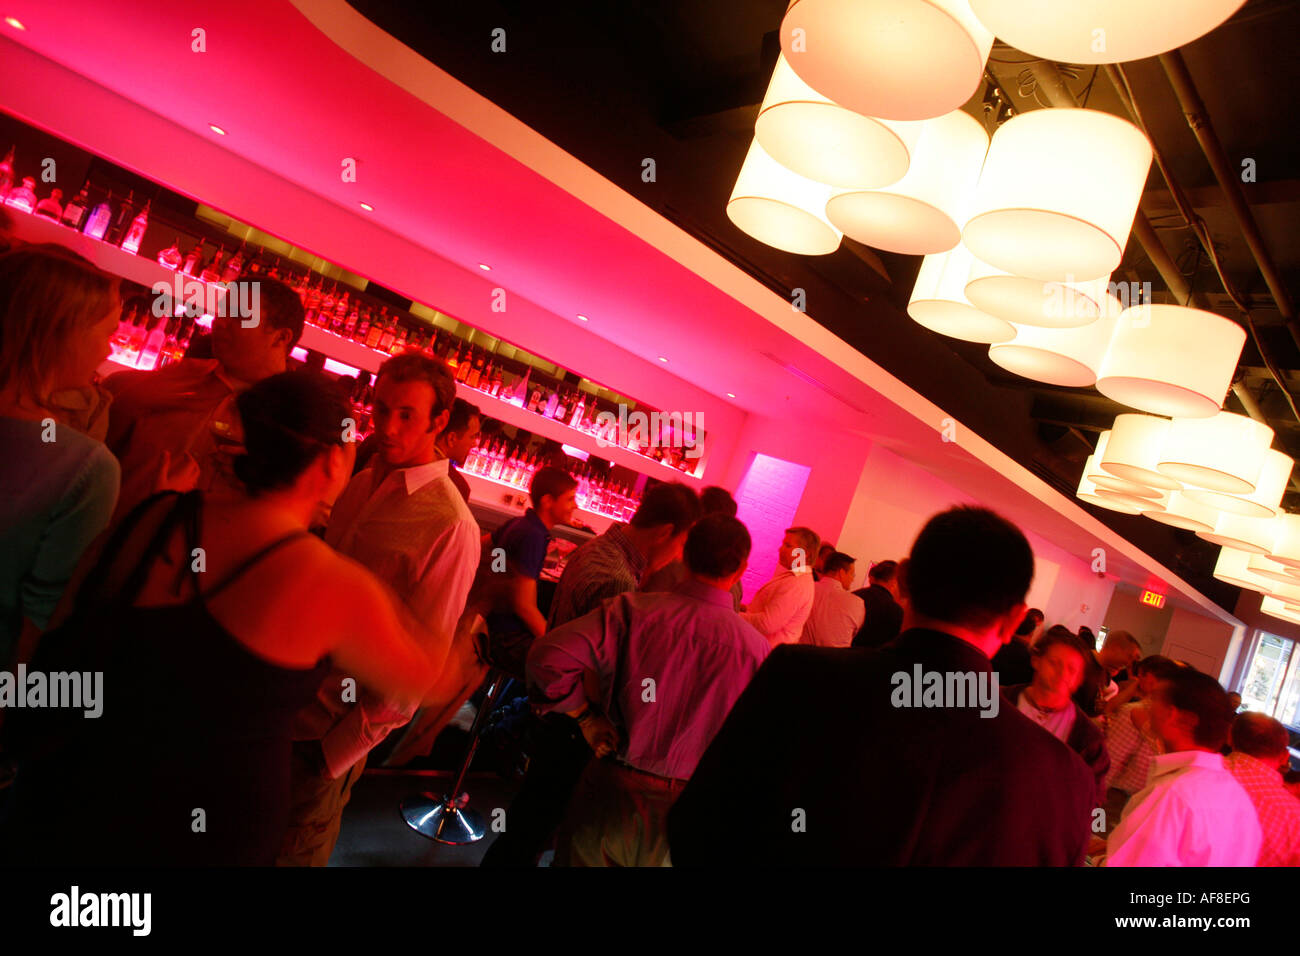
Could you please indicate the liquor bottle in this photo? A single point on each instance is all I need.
(561, 404)
(255, 265)
(363, 327)
(495, 388)
(340, 315)
(75, 211)
(6, 175)
(399, 340)
(170, 258)
(475, 372)
(153, 343)
(498, 458)
(481, 454)
(167, 354)
(389, 335)
(97, 221)
(376, 332)
(183, 339)
(213, 272)
(51, 207)
(535, 399)
(191, 258)
(326, 313)
(139, 332)
(549, 410)
(235, 264)
(350, 326)
(467, 363)
(23, 198)
(511, 466)
(121, 220)
(134, 235)
(300, 284)
(275, 269)
(117, 342)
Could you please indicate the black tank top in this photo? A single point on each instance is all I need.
(189, 762)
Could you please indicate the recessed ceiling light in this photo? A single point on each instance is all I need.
(485, 268)
(15, 23)
(367, 207)
(216, 129)
(581, 317)
(731, 395)
(662, 359)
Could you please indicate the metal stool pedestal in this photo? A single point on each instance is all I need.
(446, 819)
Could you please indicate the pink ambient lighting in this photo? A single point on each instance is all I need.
(485, 268)
(339, 368)
(367, 207)
(767, 498)
(731, 395)
(575, 452)
(15, 23)
(662, 359)
(581, 317)
(216, 129)
(299, 353)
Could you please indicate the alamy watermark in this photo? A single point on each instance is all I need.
(77, 690)
(947, 689)
(651, 430)
(241, 299)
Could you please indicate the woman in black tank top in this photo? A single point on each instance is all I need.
(188, 761)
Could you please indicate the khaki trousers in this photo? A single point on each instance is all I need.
(316, 809)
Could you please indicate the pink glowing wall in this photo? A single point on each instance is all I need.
(768, 497)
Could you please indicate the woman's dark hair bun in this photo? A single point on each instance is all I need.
(288, 420)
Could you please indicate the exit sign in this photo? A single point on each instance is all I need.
(1153, 599)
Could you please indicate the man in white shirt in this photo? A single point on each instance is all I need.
(782, 605)
(1193, 812)
(403, 519)
(837, 613)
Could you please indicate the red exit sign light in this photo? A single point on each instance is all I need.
(1153, 599)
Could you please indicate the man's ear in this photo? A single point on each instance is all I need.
(439, 422)
(1010, 621)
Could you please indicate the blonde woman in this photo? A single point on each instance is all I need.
(58, 487)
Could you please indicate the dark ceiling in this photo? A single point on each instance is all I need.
(680, 81)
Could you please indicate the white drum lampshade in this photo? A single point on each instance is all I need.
(1265, 567)
(1265, 501)
(1182, 512)
(1058, 193)
(1093, 471)
(1171, 360)
(1286, 547)
(781, 208)
(898, 59)
(1275, 607)
(1101, 31)
(1069, 357)
(924, 211)
(939, 301)
(1125, 504)
(1133, 451)
(1233, 567)
(1025, 301)
(1224, 453)
(817, 138)
(1255, 535)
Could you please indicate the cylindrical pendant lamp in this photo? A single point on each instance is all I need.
(1255, 535)
(1286, 548)
(1233, 567)
(1125, 504)
(1275, 607)
(1058, 193)
(924, 211)
(781, 208)
(1093, 471)
(825, 142)
(897, 59)
(1133, 451)
(1181, 512)
(1069, 357)
(1025, 301)
(1265, 501)
(939, 301)
(1225, 453)
(1101, 31)
(1171, 360)
(1265, 567)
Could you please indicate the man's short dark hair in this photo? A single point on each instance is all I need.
(882, 571)
(837, 561)
(1033, 617)
(549, 480)
(1060, 637)
(717, 546)
(717, 501)
(418, 367)
(969, 566)
(671, 504)
(1259, 735)
(1188, 690)
(1157, 666)
(277, 305)
(461, 413)
(807, 539)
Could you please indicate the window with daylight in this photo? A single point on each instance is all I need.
(1272, 684)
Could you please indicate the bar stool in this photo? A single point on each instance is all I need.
(448, 819)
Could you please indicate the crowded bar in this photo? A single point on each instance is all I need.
(698, 434)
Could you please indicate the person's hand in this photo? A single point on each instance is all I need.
(600, 734)
(181, 475)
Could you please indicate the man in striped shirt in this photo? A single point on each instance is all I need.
(1259, 754)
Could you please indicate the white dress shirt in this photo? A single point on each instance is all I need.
(412, 529)
(782, 605)
(836, 615)
(1193, 812)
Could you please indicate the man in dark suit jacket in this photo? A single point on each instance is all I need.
(884, 618)
(836, 756)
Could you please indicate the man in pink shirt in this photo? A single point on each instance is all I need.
(782, 605)
(1259, 755)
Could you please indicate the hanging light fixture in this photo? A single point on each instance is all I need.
(1125, 504)
(1171, 360)
(1101, 31)
(1233, 567)
(1256, 535)
(781, 208)
(1058, 193)
(1224, 453)
(924, 211)
(939, 301)
(1133, 451)
(865, 54)
(821, 140)
(1275, 607)
(1025, 301)
(1265, 567)
(1103, 481)
(1265, 501)
(1182, 512)
(1286, 548)
(1069, 357)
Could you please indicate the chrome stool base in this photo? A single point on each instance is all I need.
(441, 820)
